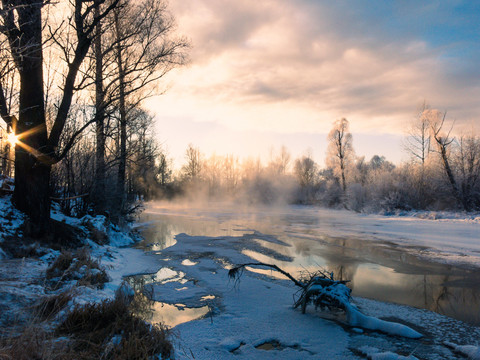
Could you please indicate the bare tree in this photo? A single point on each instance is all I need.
(21, 24)
(143, 151)
(145, 51)
(443, 143)
(306, 172)
(230, 173)
(193, 168)
(212, 174)
(340, 152)
(99, 198)
(280, 163)
(164, 169)
(417, 143)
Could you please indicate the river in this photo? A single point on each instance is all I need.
(368, 254)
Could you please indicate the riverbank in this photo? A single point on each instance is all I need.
(69, 301)
(250, 319)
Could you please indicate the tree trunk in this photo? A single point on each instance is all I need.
(122, 164)
(344, 181)
(99, 185)
(449, 173)
(32, 176)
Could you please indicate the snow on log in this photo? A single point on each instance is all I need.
(356, 318)
(322, 291)
(470, 351)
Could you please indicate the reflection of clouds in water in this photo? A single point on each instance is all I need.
(172, 315)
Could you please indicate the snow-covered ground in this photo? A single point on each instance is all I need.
(254, 318)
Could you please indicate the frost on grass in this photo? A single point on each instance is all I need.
(101, 231)
(321, 290)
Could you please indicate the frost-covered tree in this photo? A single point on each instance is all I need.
(443, 144)
(418, 144)
(306, 171)
(280, 163)
(467, 162)
(340, 153)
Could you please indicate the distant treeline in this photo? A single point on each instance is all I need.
(442, 174)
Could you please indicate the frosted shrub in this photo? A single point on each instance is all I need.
(357, 197)
(392, 201)
(332, 195)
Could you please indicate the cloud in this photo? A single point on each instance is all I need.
(295, 66)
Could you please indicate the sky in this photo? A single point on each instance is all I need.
(263, 74)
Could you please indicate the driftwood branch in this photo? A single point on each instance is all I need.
(235, 272)
(321, 290)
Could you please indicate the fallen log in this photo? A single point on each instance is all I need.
(321, 290)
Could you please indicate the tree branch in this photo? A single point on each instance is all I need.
(234, 273)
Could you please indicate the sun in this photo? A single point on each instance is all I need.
(12, 138)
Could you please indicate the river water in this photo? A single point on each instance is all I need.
(377, 268)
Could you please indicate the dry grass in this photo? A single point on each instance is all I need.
(109, 330)
(60, 236)
(29, 345)
(60, 265)
(49, 306)
(17, 247)
(96, 235)
(33, 343)
(77, 266)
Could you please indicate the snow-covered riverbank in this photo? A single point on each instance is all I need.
(69, 302)
(255, 318)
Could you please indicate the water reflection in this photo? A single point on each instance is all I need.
(157, 312)
(173, 315)
(377, 270)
